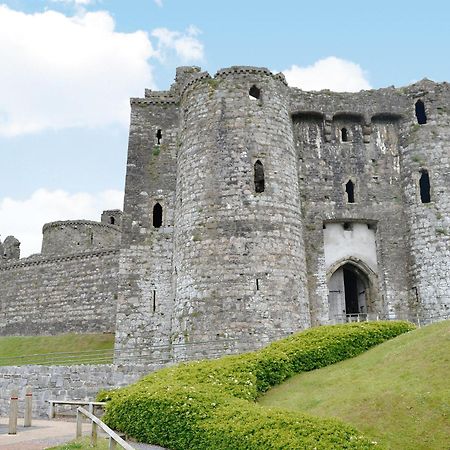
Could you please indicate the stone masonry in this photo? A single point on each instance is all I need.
(252, 210)
(70, 287)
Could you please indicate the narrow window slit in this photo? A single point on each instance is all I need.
(420, 112)
(257, 284)
(254, 92)
(350, 190)
(157, 215)
(344, 135)
(424, 184)
(259, 176)
(158, 136)
(154, 301)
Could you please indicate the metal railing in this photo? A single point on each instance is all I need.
(418, 319)
(114, 438)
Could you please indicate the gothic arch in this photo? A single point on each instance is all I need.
(364, 280)
(358, 263)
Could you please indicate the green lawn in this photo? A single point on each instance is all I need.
(60, 349)
(83, 444)
(398, 392)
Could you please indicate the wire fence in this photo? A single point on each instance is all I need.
(60, 358)
(163, 354)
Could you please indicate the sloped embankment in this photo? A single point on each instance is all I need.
(211, 404)
(398, 392)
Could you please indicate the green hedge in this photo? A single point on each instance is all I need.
(211, 404)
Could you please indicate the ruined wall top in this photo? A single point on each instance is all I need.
(390, 103)
(9, 249)
(69, 237)
(73, 236)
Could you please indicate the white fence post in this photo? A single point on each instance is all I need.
(28, 407)
(13, 410)
(51, 409)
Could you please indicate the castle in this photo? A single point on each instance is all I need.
(252, 210)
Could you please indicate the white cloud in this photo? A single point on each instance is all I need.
(24, 218)
(75, 2)
(329, 73)
(186, 46)
(68, 71)
(159, 3)
(77, 71)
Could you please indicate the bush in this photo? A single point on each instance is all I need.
(211, 404)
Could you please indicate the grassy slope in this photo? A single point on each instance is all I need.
(398, 392)
(12, 347)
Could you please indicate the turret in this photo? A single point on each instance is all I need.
(239, 257)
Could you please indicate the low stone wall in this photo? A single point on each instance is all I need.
(81, 382)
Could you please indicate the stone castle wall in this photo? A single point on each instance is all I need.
(247, 203)
(230, 261)
(144, 309)
(71, 287)
(51, 295)
(369, 158)
(426, 147)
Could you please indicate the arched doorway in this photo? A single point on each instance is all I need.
(348, 293)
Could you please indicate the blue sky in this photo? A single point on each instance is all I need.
(69, 67)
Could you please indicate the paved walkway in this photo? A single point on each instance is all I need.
(44, 434)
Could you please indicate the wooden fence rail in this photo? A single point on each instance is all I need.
(114, 438)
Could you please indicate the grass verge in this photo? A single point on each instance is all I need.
(398, 393)
(82, 444)
(60, 349)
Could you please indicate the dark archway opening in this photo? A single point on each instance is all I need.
(344, 135)
(259, 176)
(254, 92)
(350, 190)
(420, 112)
(424, 184)
(351, 291)
(349, 294)
(112, 221)
(157, 215)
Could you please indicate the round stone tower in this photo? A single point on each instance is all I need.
(239, 264)
(73, 236)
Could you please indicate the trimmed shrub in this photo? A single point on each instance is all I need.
(211, 404)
